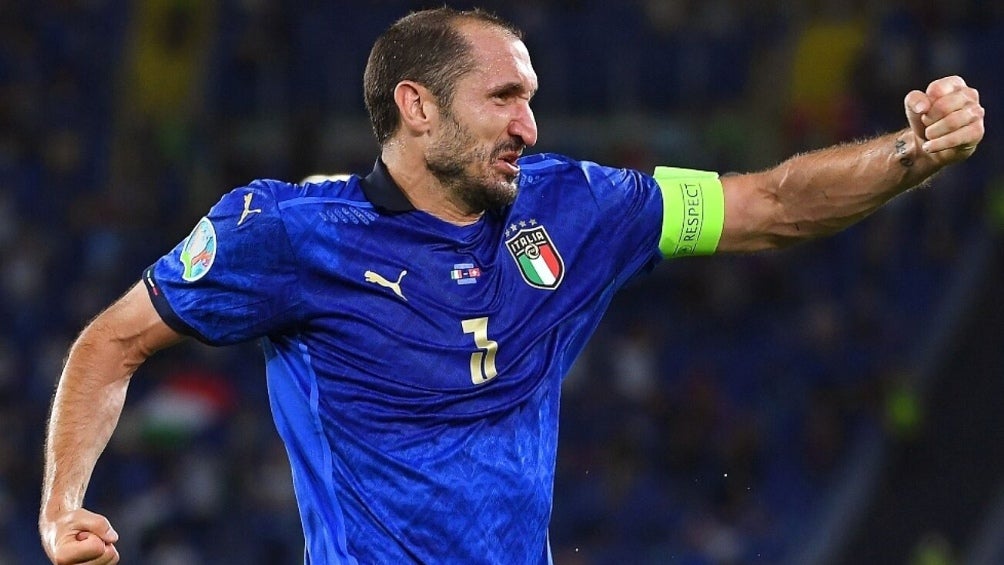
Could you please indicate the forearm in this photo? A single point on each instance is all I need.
(85, 411)
(91, 393)
(824, 192)
(820, 193)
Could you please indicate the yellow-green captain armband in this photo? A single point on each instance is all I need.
(693, 211)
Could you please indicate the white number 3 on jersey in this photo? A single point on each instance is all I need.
(483, 360)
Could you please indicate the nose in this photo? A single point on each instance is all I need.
(523, 124)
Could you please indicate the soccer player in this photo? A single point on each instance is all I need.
(417, 321)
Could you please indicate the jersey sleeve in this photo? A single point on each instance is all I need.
(630, 211)
(234, 278)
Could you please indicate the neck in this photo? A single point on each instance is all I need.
(422, 188)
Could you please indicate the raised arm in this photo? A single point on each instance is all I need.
(825, 191)
(85, 411)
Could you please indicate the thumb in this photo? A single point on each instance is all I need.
(91, 524)
(917, 104)
(89, 537)
(84, 536)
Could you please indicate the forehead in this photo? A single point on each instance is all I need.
(501, 57)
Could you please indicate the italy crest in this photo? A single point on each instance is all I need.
(537, 258)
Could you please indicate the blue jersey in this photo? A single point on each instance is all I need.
(414, 366)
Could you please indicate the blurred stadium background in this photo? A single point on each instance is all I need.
(839, 402)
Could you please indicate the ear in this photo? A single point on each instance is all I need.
(417, 107)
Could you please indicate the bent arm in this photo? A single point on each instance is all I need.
(90, 396)
(825, 191)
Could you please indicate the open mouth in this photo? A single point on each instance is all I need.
(507, 161)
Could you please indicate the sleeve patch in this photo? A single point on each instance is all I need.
(199, 251)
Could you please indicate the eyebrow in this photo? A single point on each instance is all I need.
(511, 89)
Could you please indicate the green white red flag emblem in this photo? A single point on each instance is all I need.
(538, 260)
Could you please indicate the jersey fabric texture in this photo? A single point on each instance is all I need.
(414, 366)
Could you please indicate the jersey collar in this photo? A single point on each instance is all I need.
(381, 190)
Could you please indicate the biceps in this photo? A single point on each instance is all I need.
(130, 329)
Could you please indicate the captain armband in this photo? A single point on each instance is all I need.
(693, 211)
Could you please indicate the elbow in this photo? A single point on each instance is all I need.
(104, 354)
(756, 218)
(122, 337)
(784, 230)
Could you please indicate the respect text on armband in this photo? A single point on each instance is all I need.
(693, 217)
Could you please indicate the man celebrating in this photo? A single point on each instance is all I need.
(417, 322)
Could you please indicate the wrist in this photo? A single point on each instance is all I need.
(47, 519)
(52, 510)
(914, 162)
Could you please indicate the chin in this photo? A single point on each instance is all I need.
(494, 196)
(507, 194)
(507, 185)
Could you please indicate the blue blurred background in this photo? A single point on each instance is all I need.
(838, 402)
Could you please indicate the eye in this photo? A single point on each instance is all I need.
(507, 93)
(502, 97)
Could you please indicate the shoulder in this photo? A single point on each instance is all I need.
(343, 189)
(271, 197)
(551, 167)
(264, 206)
(546, 161)
(554, 164)
(550, 171)
(549, 164)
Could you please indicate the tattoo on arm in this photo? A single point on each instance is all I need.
(904, 160)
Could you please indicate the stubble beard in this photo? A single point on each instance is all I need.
(451, 163)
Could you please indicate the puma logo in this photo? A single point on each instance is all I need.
(247, 208)
(394, 286)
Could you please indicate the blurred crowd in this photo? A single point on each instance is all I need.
(717, 403)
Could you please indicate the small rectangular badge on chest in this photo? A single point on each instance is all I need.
(465, 273)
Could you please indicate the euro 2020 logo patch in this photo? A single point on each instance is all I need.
(537, 258)
(199, 251)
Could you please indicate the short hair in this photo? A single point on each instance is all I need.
(425, 47)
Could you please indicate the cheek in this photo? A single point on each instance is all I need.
(498, 124)
(489, 122)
